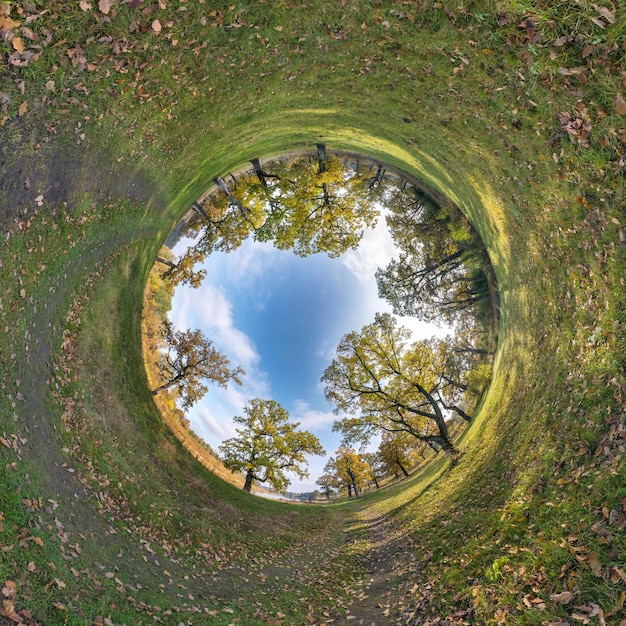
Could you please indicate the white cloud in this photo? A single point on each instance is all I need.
(311, 419)
(252, 260)
(209, 308)
(375, 250)
(211, 426)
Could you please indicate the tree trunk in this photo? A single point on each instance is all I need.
(326, 194)
(446, 445)
(248, 485)
(198, 208)
(166, 262)
(406, 474)
(223, 185)
(258, 170)
(461, 412)
(321, 158)
(161, 388)
(377, 178)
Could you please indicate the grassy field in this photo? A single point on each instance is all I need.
(116, 116)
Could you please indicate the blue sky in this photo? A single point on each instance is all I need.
(281, 318)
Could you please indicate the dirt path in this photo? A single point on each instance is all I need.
(380, 548)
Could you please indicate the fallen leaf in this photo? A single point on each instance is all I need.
(84, 5)
(594, 563)
(18, 44)
(620, 104)
(156, 26)
(562, 598)
(606, 13)
(105, 6)
(617, 574)
(6, 23)
(23, 108)
(572, 71)
(10, 589)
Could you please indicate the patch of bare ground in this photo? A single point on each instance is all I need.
(379, 546)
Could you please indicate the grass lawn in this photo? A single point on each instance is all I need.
(116, 116)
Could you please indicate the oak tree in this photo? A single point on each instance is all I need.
(441, 268)
(395, 451)
(382, 384)
(187, 360)
(351, 469)
(268, 445)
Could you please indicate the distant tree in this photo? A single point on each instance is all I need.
(323, 208)
(394, 452)
(189, 359)
(352, 469)
(391, 386)
(377, 468)
(328, 484)
(183, 272)
(268, 445)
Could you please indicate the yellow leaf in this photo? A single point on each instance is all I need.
(18, 44)
(6, 23)
(23, 108)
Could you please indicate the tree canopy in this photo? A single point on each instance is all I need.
(305, 205)
(267, 446)
(349, 469)
(440, 271)
(189, 359)
(381, 383)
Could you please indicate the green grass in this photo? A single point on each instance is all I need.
(457, 94)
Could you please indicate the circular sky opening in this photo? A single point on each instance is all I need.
(282, 259)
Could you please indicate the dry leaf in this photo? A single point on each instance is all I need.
(105, 6)
(6, 23)
(10, 589)
(563, 598)
(156, 26)
(18, 44)
(607, 14)
(23, 108)
(84, 5)
(594, 563)
(620, 104)
(572, 71)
